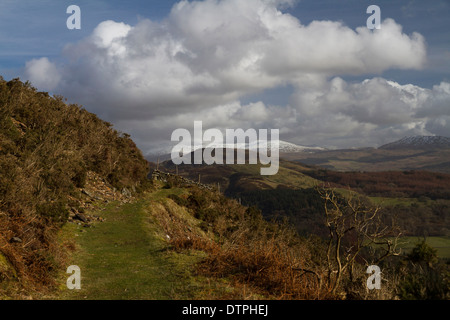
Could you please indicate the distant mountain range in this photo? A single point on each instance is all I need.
(418, 142)
(288, 147)
(430, 153)
(284, 147)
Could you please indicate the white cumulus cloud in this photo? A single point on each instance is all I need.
(202, 60)
(42, 73)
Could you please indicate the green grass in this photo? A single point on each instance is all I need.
(441, 244)
(125, 258)
(384, 201)
(287, 175)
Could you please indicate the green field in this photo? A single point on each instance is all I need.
(385, 201)
(441, 244)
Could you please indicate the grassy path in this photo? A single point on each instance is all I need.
(125, 258)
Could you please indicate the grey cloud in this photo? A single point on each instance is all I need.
(437, 103)
(439, 126)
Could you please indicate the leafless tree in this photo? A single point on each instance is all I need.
(354, 225)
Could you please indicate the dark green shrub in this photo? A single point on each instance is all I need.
(55, 212)
(178, 200)
(425, 277)
(79, 178)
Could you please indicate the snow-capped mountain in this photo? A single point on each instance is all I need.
(287, 147)
(283, 146)
(417, 142)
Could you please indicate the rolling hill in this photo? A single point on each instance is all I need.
(431, 153)
(420, 199)
(410, 153)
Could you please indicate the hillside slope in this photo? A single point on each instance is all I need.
(190, 243)
(47, 150)
(235, 178)
(419, 199)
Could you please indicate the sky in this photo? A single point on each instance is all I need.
(310, 68)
